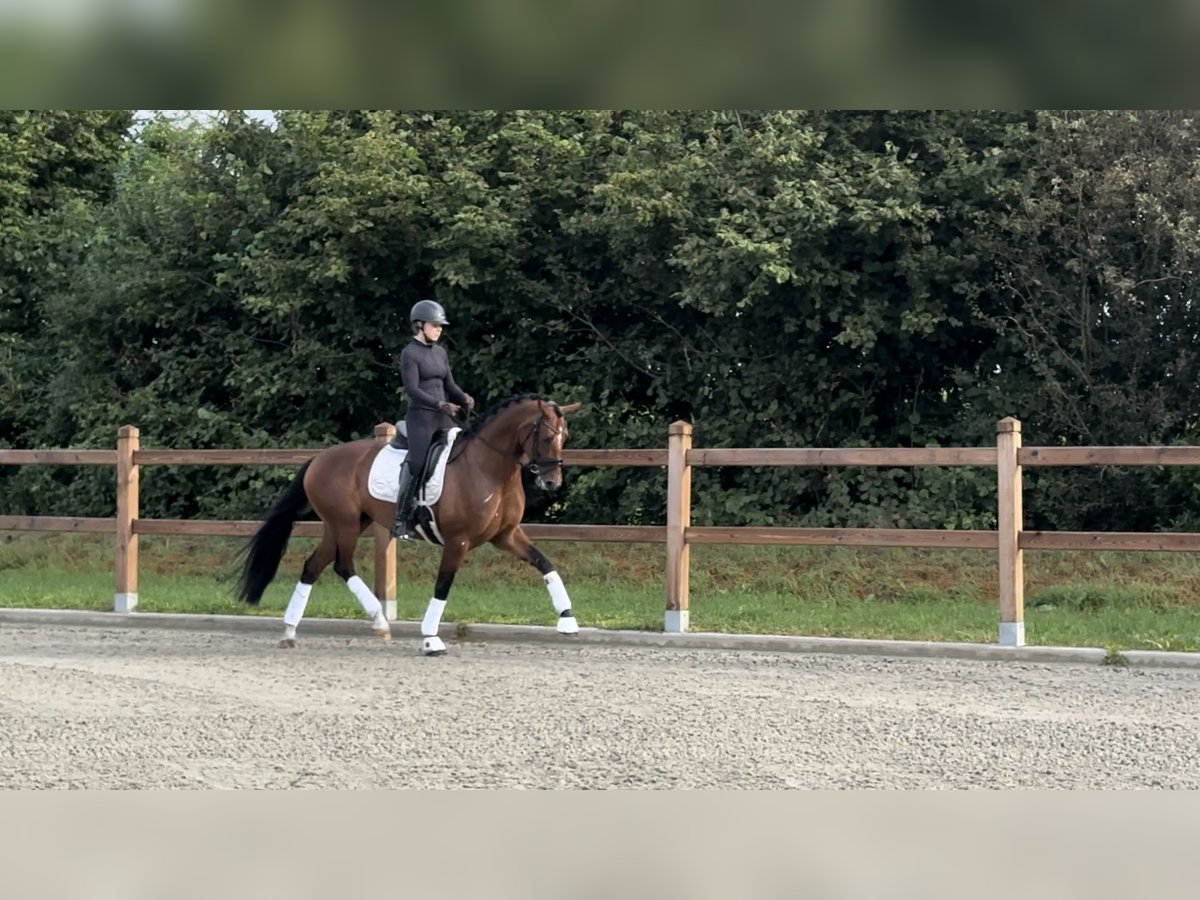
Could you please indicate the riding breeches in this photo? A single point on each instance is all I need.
(421, 425)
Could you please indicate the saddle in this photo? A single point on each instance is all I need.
(382, 480)
(436, 445)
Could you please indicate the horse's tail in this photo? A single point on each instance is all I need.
(266, 548)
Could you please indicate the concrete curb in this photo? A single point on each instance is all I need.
(1163, 659)
(610, 637)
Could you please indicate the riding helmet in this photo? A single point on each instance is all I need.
(428, 311)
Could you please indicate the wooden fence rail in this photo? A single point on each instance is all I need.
(1009, 540)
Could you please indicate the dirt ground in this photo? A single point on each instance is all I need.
(154, 708)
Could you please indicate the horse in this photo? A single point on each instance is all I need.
(482, 501)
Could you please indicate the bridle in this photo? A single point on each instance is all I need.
(537, 465)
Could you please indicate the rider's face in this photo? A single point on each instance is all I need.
(431, 332)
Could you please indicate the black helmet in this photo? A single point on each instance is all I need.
(428, 311)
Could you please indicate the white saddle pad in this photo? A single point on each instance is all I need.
(383, 481)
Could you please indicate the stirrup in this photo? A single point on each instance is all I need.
(404, 531)
(401, 530)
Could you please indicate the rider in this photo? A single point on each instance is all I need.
(425, 370)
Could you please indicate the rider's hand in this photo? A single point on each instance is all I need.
(450, 409)
(470, 402)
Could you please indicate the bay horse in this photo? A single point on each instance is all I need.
(482, 501)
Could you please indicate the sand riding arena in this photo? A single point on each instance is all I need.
(92, 707)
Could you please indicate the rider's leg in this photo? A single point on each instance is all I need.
(420, 433)
(404, 500)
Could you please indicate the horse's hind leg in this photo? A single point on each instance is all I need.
(313, 567)
(344, 565)
(517, 542)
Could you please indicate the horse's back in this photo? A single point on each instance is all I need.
(342, 467)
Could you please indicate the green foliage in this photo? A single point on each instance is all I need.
(778, 278)
(53, 167)
(1096, 287)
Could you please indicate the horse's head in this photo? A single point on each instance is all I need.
(541, 448)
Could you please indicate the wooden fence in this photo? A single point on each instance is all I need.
(1010, 540)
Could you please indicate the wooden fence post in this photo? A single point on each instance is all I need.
(385, 546)
(126, 599)
(1012, 558)
(679, 517)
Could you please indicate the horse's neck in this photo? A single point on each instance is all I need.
(497, 450)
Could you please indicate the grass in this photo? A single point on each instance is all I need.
(1118, 601)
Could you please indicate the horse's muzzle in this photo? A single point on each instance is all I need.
(540, 466)
(547, 473)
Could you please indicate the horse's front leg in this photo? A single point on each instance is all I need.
(517, 543)
(453, 555)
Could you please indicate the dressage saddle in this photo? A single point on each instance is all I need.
(436, 445)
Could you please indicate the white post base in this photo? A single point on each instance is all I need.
(389, 610)
(676, 621)
(125, 603)
(1012, 634)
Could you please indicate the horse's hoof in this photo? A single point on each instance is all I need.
(433, 646)
(384, 633)
(568, 625)
(288, 643)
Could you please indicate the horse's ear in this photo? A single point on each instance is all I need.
(570, 408)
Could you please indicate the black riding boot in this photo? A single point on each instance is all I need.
(404, 503)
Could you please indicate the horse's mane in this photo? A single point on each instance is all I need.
(498, 408)
(493, 411)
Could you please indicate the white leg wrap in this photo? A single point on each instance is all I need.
(364, 595)
(295, 608)
(562, 603)
(558, 592)
(433, 617)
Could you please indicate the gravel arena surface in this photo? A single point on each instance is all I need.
(153, 708)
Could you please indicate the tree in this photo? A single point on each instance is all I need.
(53, 164)
(1097, 290)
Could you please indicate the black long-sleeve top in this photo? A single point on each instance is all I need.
(425, 371)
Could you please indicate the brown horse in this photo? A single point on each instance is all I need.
(482, 501)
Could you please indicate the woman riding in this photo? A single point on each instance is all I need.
(433, 401)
